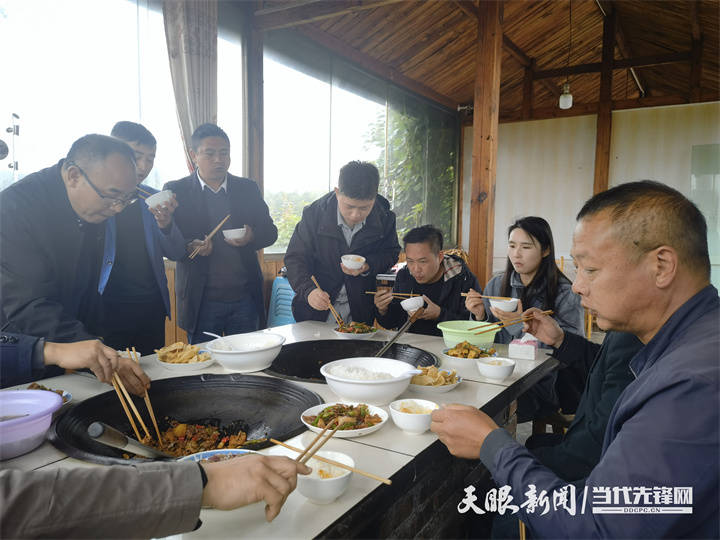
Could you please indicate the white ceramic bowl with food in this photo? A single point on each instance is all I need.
(505, 305)
(352, 335)
(26, 418)
(413, 416)
(436, 389)
(326, 482)
(376, 381)
(345, 433)
(235, 234)
(495, 367)
(248, 353)
(455, 332)
(412, 304)
(159, 198)
(353, 262)
(188, 367)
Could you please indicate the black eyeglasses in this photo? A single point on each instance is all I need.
(109, 201)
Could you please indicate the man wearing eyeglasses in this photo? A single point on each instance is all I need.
(50, 245)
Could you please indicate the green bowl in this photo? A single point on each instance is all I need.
(455, 332)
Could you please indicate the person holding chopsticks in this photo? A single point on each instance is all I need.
(51, 235)
(219, 282)
(440, 279)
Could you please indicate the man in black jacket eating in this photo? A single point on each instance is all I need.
(352, 219)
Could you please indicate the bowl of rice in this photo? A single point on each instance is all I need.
(372, 380)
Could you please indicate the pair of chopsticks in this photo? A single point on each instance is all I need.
(396, 294)
(489, 297)
(336, 464)
(309, 452)
(338, 319)
(122, 391)
(511, 322)
(209, 236)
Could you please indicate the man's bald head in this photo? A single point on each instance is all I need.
(647, 214)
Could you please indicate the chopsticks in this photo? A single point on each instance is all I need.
(338, 319)
(518, 320)
(125, 408)
(336, 464)
(117, 381)
(397, 294)
(209, 236)
(305, 456)
(147, 400)
(489, 297)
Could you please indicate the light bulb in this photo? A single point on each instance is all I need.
(566, 97)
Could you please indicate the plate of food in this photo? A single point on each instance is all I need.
(183, 357)
(357, 419)
(467, 350)
(354, 330)
(213, 456)
(434, 380)
(64, 394)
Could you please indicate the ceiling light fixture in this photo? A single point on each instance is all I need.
(566, 98)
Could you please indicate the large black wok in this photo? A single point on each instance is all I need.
(302, 361)
(263, 407)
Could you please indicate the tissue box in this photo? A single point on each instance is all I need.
(523, 350)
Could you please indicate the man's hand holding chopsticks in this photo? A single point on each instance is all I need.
(204, 245)
(544, 327)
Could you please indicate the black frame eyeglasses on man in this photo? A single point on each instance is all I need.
(109, 201)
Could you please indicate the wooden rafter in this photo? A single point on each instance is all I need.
(697, 47)
(596, 67)
(309, 12)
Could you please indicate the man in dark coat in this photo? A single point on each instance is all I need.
(219, 290)
(439, 278)
(51, 235)
(353, 219)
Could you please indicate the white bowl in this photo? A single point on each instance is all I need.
(412, 304)
(190, 366)
(161, 197)
(353, 262)
(325, 490)
(413, 423)
(348, 335)
(345, 433)
(505, 305)
(495, 367)
(34, 410)
(234, 234)
(250, 352)
(376, 391)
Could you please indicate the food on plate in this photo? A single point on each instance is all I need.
(410, 407)
(183, 439)
(323, 470)
(358, 373)
(493, 362)
(432, 376)
(466, 350)
(182, 353)
(356, 328)
(36, 386)
(349, 417)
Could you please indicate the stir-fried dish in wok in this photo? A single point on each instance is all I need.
(183, 439)
(349, 417)
(356, 328)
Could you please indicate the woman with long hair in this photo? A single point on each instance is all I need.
(532, 276)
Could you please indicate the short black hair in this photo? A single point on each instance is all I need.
(359, 180)
(94, 148)
(427, 234)
(204, 131)
(649, 214)
(134, 133)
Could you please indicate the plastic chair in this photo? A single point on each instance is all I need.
(280, 309)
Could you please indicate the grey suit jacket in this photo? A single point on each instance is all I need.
(133, 501)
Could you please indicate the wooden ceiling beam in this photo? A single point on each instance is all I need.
(606, 8)
(596, 67)
(695, 29)
(284, 6)
(305, 13)
(374, 66)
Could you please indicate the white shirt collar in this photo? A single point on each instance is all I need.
(203, 183)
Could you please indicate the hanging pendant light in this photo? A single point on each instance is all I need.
(566, 98)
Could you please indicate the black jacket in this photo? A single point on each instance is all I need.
(317, 245)
(579, 451)
(247, 207)
(44, 280)
(451, 303)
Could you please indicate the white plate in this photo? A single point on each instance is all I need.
(348, 433)
(194, 366)
(425, 389)
(460, 358)
(349, 335)
(199, 456)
